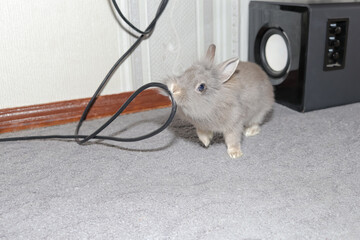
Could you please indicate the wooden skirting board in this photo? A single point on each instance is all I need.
(50, 114)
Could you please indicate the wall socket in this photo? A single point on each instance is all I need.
(335, 44)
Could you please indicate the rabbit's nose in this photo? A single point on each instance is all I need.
(175, 89)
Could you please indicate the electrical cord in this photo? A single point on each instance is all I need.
(80, 139)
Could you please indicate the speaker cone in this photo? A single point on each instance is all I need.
(275, 54)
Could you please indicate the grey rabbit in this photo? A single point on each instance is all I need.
(231, 98)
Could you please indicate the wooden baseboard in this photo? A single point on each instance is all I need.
(43, 115)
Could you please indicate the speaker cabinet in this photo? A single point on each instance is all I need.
(309, 49)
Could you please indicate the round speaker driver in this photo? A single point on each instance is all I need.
(276, 53)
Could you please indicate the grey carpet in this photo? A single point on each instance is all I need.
(298, 179)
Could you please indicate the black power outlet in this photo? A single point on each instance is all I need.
(335, 44)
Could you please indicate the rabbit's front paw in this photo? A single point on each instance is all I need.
(234, 152)
(252, 131)
(205, 136)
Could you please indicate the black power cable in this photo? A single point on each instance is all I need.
(80, 139)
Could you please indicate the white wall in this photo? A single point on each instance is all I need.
(55, 50)
(58, 50)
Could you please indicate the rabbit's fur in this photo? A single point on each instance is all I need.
(230, 98)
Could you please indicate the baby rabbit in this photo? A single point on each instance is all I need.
(231, 98)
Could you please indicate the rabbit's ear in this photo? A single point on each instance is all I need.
(228, 68)
(210, 54)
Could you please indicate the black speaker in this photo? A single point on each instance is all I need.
(309, 49)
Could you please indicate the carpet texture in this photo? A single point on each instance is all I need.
(298, 179)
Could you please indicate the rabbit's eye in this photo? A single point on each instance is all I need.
(201, 87)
